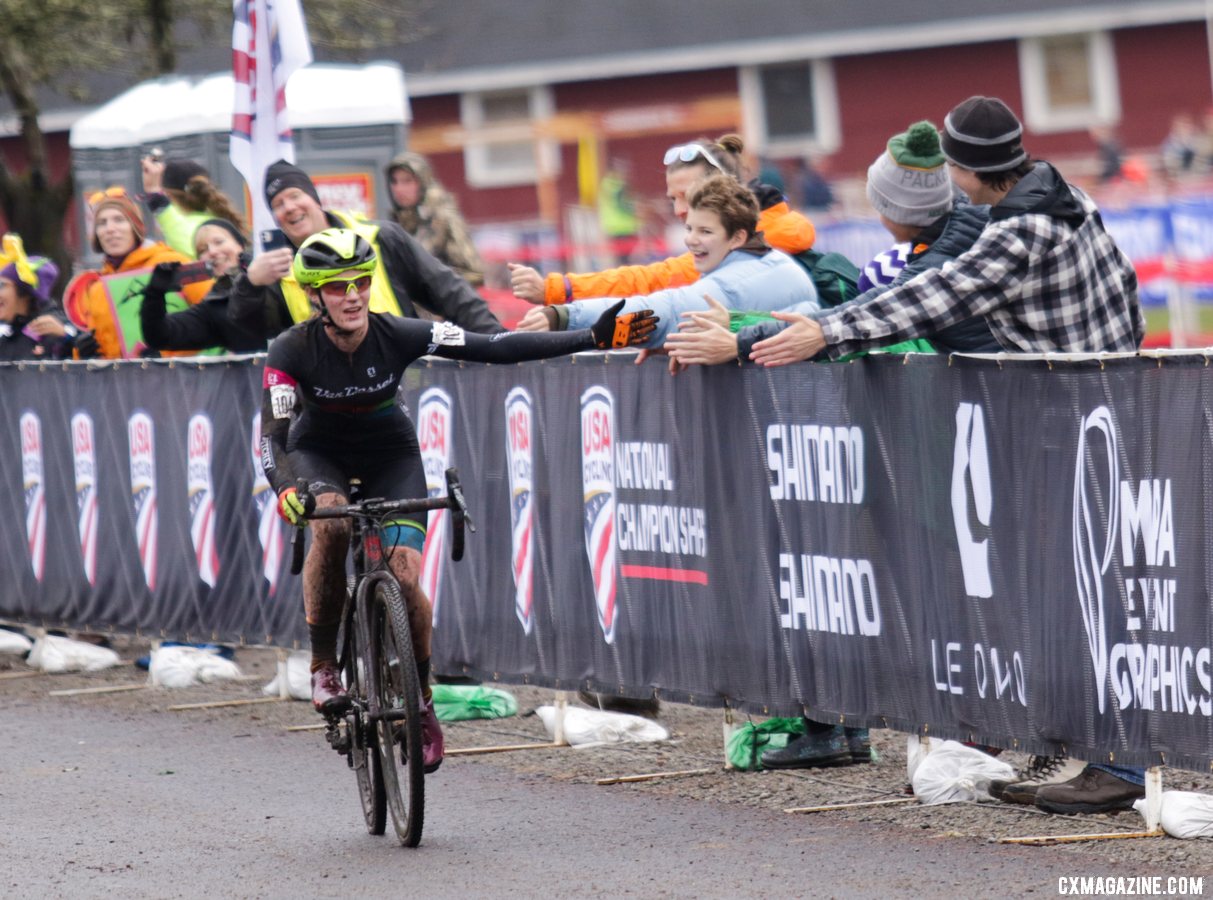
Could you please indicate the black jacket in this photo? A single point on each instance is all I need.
(203, 325)
(418, 279)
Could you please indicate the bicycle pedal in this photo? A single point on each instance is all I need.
(338, 737)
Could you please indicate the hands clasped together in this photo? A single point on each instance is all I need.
(704, 338)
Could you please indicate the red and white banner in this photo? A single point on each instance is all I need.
(434, 435)
(269, 43)
(142, 445)
(84, 457)
(35, 493)
(202, 497)
(520, 461)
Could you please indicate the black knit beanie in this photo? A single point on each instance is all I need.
(228, 227)
(983, 135)
(282, 175)
(178, 172)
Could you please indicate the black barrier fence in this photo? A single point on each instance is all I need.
(1014, 552)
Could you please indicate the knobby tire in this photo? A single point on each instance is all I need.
(364, 740)
(390, 653)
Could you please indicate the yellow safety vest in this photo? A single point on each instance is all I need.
(383, 300)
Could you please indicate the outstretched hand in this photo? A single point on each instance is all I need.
(802, 339)
(525, 282)
(703, 338)
(613, 331)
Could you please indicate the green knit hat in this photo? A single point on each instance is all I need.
(908, 183)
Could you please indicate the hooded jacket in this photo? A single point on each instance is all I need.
(435, 220)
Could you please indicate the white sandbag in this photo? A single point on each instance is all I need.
(594, 727)
(1185, 814)
(178, 667)
(53, 653)
(13, 642)
(916, 753)
(951, 772)
(298, 677)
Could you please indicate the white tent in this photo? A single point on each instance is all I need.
(321, 95)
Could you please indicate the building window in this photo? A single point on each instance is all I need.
(501, 148)
(790, 107)
(1069, 82)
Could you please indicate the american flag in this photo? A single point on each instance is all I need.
(269, 43)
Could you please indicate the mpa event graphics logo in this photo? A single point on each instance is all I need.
(202, 497)
(84, 458)
(520, 463)
(434, 410)
(1138, 598)
(35, 494)
(614, 525)
(141, 441)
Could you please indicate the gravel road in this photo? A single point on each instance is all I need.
(968, 831)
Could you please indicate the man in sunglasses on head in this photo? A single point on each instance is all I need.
(340, 370)
(268, 299)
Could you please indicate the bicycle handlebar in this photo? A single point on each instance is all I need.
(377, 508)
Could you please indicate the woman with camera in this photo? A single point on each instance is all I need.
(221, 247)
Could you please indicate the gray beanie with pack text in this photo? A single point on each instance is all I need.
(908, 183)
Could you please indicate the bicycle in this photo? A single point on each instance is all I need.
(377, 663)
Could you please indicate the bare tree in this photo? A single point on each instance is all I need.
(43, 43)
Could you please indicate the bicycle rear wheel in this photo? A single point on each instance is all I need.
(364, 740)
(398, 690)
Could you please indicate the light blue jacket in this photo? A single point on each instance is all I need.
(741, 281)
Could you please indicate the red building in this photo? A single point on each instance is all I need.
(506, 98)
(503, 117)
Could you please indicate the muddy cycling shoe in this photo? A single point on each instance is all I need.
(328, 693)
(432, 743)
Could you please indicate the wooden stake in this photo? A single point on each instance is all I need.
(1042, 840)
(504, 748)
(316, 727)
(861, 803)
(652, 776)
(6, 676)
(103, 689)
(217, 703)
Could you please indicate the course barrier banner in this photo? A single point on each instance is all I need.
(143, 503)
(1013, 551)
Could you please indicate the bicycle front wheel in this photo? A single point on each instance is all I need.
(398, 691)
(363, 739)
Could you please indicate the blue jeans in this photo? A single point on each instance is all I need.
(1132, 774)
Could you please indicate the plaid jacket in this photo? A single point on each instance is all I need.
(1043, 282)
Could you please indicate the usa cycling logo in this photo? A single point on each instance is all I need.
(434, 435)
(84, 457)
(519, 460)
(598, 487)
(140, 436)
(35, 494)
(269, 531)
(202, 497)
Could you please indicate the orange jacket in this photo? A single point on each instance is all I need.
(96, 307)
(782, 228)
